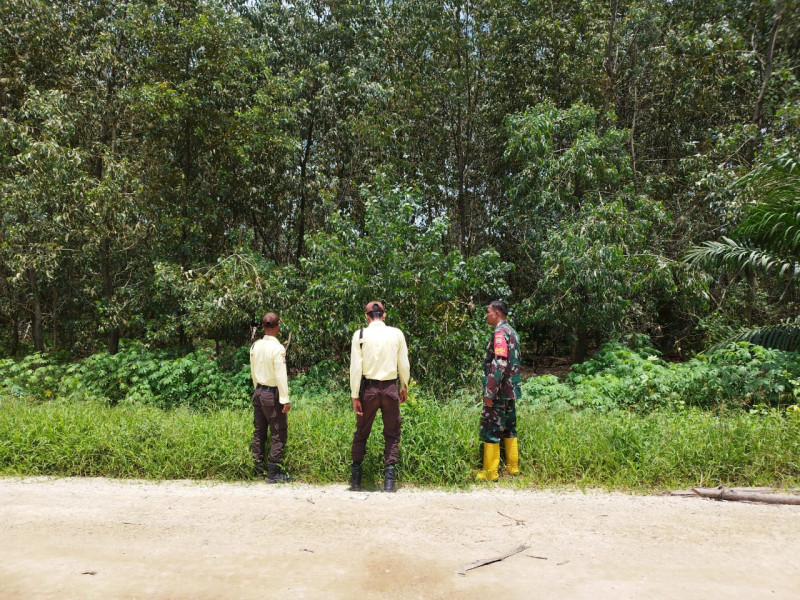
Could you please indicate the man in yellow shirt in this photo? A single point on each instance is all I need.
(270, 399)
(378, 358)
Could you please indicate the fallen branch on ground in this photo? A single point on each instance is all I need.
(487, 561)
(721, 493)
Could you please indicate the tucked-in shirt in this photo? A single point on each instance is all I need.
(381, 354)
(268, 365)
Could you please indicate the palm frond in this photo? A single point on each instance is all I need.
(773, 221)
(774, 224)
(772, 173)
(777, 337)
(733, 255)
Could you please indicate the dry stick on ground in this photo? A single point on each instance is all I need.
(721, 493)
(487, 561)
(519, 521)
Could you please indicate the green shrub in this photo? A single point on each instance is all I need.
(39, 375)
(433, 293)
(739, 376)
(135, 375)
(617, 377)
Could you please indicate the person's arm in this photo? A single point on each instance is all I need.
(403, 368)
(252, 370)
(356, 369)
(279, 364)
(496, 368)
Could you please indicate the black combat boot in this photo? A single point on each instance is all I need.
(258, 468)
(275, 475)
(389, 477)
(355, 477)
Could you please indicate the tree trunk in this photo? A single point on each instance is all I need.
(108, 290)
(611, 62)
(14, 334)
(38, 338)
(581, 345)
(55, 321)
(773, 34)
(2, 90)
(633, 142)
(108, 139)
(185, 259)
(461, 165)
(751, 297)
(301, 218)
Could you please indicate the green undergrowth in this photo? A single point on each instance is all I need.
(136, 375)
(739, 377)
(612, 450)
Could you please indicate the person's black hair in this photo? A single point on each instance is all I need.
(500, 306)
(376, 312)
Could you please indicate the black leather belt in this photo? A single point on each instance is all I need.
(269, 388)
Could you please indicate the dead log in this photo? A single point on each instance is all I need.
(721, 493)
(487, 561)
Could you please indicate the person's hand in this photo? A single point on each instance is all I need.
(287, 407)
(403, 395)
(488, 402)
(357, 407)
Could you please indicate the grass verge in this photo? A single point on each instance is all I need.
(620, 450)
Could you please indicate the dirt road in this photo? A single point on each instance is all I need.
(97, 538)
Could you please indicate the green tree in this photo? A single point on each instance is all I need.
(587, 248)
(332, 53)
(436, 297)
(766, 242)
(39, 193)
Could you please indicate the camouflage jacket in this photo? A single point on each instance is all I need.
(501, 367)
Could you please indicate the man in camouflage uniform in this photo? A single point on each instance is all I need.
(501, 389)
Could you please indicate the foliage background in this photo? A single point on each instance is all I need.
(624, 173)
(170, 169)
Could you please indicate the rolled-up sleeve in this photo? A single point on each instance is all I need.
(356, 366)
(403, 366)
(279, 363)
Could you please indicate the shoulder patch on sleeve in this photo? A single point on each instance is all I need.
(500, 345)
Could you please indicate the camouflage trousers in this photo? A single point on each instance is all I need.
(499, 421)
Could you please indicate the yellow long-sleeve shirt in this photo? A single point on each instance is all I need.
(381, 353)
(268, 365)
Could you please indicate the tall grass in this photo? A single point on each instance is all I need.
(619, 450)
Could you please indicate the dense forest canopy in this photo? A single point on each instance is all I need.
(170, 169)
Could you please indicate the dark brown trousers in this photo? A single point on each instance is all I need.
(381, 395)
(268, 414)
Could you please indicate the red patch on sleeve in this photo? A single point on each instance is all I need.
(500, 345)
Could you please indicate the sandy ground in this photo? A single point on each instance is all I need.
(98, 538)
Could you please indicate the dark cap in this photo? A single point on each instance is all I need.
(374, 306)
(270, 321)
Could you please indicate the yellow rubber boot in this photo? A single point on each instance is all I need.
(512, 455)
(491, 462)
